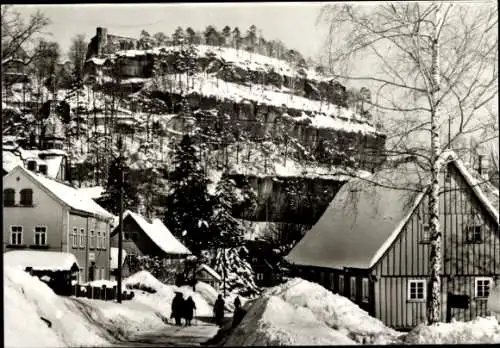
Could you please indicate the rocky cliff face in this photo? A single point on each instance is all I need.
(286, 128)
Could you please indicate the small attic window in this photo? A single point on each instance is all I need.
(43, 169)
(31, 165)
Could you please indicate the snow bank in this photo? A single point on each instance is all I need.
(479, 330)
(335, 311)
(272, 321)
(162, 299)
(27, 300)
(125, 319)
(209, 294)
(494, 300)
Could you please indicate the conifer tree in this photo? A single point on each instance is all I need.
(110, 200)
(188, 204)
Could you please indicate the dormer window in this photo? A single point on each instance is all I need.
(43, 169)
(32, 165)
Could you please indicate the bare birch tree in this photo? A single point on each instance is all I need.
(17, 32)
(432, 67)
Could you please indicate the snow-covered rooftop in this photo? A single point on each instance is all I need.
(41, 260)
(159, 234)
(66, 194)
(92, 192)
(368, 214)
(209, 270)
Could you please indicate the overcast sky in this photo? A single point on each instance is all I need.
(292, 23)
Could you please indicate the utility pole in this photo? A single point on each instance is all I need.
(224, 272)
(120, 231)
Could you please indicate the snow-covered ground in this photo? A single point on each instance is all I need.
(27, 300)
(85, 322)
(477, 331)
(304, 313)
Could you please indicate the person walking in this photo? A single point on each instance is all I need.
(189, 307)
(177, 304)
(239, 313)
(219, 310)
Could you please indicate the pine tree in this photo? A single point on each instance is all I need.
(110, 200)
(178, 36)
(226, 33)
(236, 38)
(191, 36)
(228, 230)
(188, 204)
(252, 37)
(237, 273)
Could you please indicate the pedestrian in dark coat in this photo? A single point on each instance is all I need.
(189, 307)
(239, 312)
(177, 308)
(219, 310)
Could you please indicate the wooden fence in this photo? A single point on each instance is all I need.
(99, 293)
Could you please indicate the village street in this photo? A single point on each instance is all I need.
(173, 336)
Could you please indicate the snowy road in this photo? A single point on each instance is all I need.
(173, 336)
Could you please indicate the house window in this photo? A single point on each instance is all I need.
(82, 238)
(341, 284)
(260, 276)
(16, 235)
(474, 234)
(27, 197)
(9, 197)
(365, 289)
(40, 235)
(98, 246)
(352, 289)
(482, 286)
(92, 239)
(81, 276)
(75, 237)
(103, 242)
(416, 290)
(426, 234)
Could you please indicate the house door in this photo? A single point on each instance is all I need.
(91, 271)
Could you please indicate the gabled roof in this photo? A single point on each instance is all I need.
(367, 215)
(19, 156)
(209, 270)
(41, 260)
(159, 234)
(65, 194)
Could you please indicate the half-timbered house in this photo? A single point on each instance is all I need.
(372, 244)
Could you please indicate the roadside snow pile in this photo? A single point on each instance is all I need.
(162, 298)
(479, 330)
(494, 300)
(335, 311)
(125, 319)
(27, 300)
(210, 295)
(272, 321)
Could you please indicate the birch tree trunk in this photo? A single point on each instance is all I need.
(434, 299)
